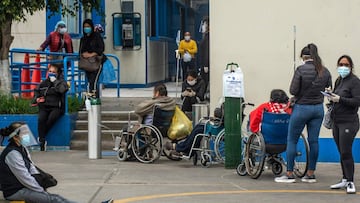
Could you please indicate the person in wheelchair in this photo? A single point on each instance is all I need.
(279, 103)
(184, 147)
(145, 109)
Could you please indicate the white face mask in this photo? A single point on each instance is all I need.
(204, 28)
(187, 38)
(191, 83)
(62, 30)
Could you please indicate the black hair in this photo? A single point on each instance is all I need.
(192, 73)
(161, 88)
(279, 96)
(347, 58)
(312, 51)
(6, 131)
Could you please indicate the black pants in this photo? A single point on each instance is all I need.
(186, 67)
(187, 103)
(93, 81)
(344, 134)
(47, 118)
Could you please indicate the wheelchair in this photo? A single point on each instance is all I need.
(265, 148)
(144, 142)
(209, 146)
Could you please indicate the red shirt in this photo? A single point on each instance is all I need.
(272, 107)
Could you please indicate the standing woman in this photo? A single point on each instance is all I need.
(92, 44)
(346, 101)
(308, 80)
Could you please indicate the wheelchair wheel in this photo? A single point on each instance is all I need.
(220, 146)
(241, 169)
(205, 159)
(276, 168)
(255, 155)
(147, 144)
(195, 158)
(302, 157)
(122, 155)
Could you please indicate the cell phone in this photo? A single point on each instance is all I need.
(188, 89)
(327, 94)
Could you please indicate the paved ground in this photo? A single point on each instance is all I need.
(92, 181)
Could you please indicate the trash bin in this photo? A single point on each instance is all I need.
(199, 111)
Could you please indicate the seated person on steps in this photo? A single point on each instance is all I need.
(279, 103)
(184, 146)
(145, 109)
(193, 90)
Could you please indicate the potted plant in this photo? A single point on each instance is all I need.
(17, 109)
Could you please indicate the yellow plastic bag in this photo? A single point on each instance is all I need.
(180, 126)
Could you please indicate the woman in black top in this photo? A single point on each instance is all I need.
(346, 101)
(193, 90)
(92, 44)
(50, 97)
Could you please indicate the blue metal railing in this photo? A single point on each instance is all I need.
(72, 73)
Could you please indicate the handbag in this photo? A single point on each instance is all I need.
(328, 122)
(44, 179)
(90, 64)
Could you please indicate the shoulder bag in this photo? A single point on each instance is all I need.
(44, 179)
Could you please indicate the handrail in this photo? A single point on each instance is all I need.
(68, 61)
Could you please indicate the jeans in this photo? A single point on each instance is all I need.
(31, 196)
(310, 116)
(185, 146)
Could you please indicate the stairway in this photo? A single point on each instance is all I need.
(114, 116)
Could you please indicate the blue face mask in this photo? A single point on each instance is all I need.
(87, 30)
(343, 71)
(25, 140)
(51, 75)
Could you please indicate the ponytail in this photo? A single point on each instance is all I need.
(317, 60)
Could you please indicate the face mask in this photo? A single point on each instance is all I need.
(62, 30)
(52, 77)
(87, 30)
(187, 38)
(191, 83)
(343, 71)
(204, 28)
(25, 140)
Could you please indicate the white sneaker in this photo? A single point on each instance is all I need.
(339, 185)
(350, 188)
(285, 179)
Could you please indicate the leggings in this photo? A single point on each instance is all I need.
(93, 80)
(47, 118)
(344, 134)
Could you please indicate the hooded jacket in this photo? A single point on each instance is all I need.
(92, 42)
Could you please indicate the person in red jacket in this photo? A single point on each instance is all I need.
(279, 103)
(58, 41)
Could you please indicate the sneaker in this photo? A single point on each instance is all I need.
(339, 185)
(169, 146)
(350, 188)
(43, 146)
(309, 179)
(108, 201)
(285, 179)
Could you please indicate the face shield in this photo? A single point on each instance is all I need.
(25, 135)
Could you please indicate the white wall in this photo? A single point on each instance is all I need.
(259, 36)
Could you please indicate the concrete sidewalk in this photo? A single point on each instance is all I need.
(93, 181)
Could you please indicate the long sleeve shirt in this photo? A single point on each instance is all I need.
(188, 46)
